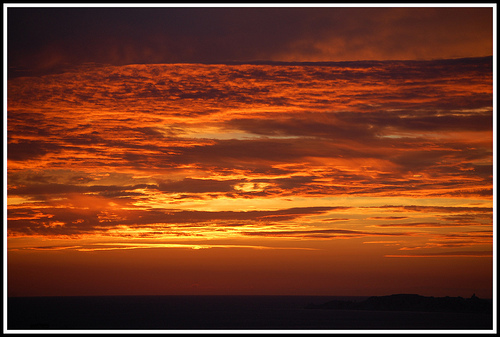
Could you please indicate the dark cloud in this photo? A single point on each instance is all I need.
(203, 216)
(478, 234)
(322, 233)
(238, 152)
(189, 185)
(426, 123)
(328, 127)
(360, 128)
(56, 188)
(31, 149)
(75, 220)
(387, 218)
(467, 217)
(48, 39)
(428, 225)
(438, 209)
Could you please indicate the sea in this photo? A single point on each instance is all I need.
(220, 313)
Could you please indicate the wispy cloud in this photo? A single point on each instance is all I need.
(128, 246)
(430, 225)
(323, 233)
(487, 254)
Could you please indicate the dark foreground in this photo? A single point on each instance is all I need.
(224, 313)
(412, 302)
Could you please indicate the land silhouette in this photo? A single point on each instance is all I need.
(401, 312)
(412, 302)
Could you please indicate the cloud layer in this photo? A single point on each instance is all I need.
(48, 39)
(256, 152)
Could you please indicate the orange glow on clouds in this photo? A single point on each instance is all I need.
(293, 169)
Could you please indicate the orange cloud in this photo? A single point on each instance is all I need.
(256, 155)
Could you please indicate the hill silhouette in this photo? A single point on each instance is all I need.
(412, 302)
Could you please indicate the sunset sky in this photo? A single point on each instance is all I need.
(254, 151)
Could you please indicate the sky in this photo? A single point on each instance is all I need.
(47, 39)
(250, 151)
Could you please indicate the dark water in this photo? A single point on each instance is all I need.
(221, 313)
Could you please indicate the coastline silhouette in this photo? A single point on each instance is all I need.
(412, 302)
